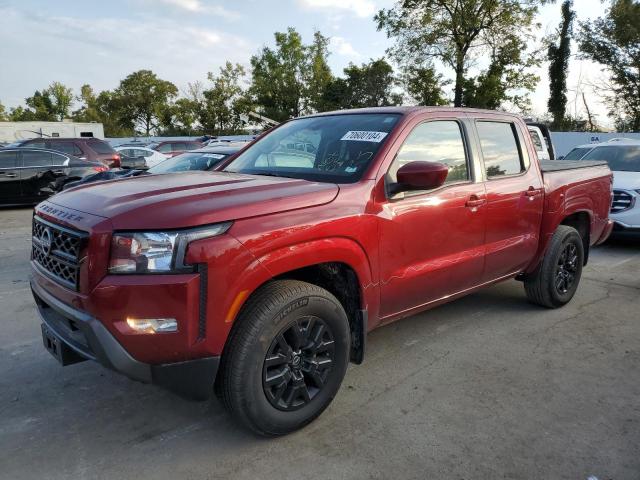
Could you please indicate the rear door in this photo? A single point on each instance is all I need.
(515, 196)
(9, 177)
(432, 242)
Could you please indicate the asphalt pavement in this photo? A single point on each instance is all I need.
(486, 387)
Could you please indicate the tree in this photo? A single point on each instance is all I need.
(40, 108)
(424, 85)
(559, 55)
(225, 101)
(319, 74)
(89, 109)
(61, 98)
(141, 98)
(505, 79)
(290, 80)
(371, 85)
(454, 32)
(614, 42)
(278, 77)
(368, 85)
(3, 113)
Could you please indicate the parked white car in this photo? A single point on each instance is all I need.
(151, 157)
(623, 157)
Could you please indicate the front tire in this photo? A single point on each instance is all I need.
(555, 281)
(286, 358)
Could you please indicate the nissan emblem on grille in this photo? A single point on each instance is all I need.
(45, 241)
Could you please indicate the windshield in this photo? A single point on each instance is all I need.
(333, 148)
(577, 153)
(620, 158)
(189, 161)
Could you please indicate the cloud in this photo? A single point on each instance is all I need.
(360, 8)
(102, 52)
(341, 46)
(197, 6)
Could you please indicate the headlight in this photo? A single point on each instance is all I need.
(156, 252)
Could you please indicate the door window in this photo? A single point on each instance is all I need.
(36, 159)
(165, 148)
(438, 141)
(35, 144)
(8, 159)
(59, 160)
(65, 147)
(500, 149)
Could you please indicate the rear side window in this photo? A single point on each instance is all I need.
(8, 159)
(34, 144)
(36, 159)
(536, 140)
(180, 147)
(619, 158)
(438, 141)
(165, 148)
(577, 153)
(99, 146)
(69, 148)
(499, 149)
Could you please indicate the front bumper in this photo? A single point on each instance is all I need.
(88, 339)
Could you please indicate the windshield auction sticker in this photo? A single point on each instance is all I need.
(363, 136)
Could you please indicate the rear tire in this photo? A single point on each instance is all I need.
(286, 357)
(555, 281)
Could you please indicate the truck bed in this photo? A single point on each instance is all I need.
(560, 165)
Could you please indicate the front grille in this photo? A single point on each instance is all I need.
(57, 251)
(621, 201)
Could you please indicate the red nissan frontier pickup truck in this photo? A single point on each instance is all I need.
(260, 281)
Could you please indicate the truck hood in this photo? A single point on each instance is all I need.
(626, 180)
(189, 199)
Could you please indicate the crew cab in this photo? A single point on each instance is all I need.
(260, 280)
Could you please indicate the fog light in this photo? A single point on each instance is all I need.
(153, 325)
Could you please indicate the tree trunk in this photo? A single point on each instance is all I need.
(457, 100)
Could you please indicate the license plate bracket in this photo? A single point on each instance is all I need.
(59, 349)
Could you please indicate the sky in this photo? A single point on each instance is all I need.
(100, 42)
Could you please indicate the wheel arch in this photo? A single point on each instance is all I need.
(339, 265)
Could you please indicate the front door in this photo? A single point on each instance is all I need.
(432, 242)
(9, 178)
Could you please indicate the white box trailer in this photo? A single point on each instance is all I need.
(14, 131)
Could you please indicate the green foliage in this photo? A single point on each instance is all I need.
(559, 54)
(505, 78)
(3, 113)
(289, 80)
(424, 85)
(457, 33)
(61, 98)
(368, 85)
(614, 42)
(225, 101)
(141, 99)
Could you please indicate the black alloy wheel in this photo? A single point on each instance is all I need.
(298, 363)
(567, 268)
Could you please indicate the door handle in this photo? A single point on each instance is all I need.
(58, 172)
(474, 202)
(533, 192)
(9, 174)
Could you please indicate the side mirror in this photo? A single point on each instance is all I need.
(420, 176)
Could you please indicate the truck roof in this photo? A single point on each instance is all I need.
(406, 110)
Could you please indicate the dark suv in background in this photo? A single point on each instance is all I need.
(89, 148)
